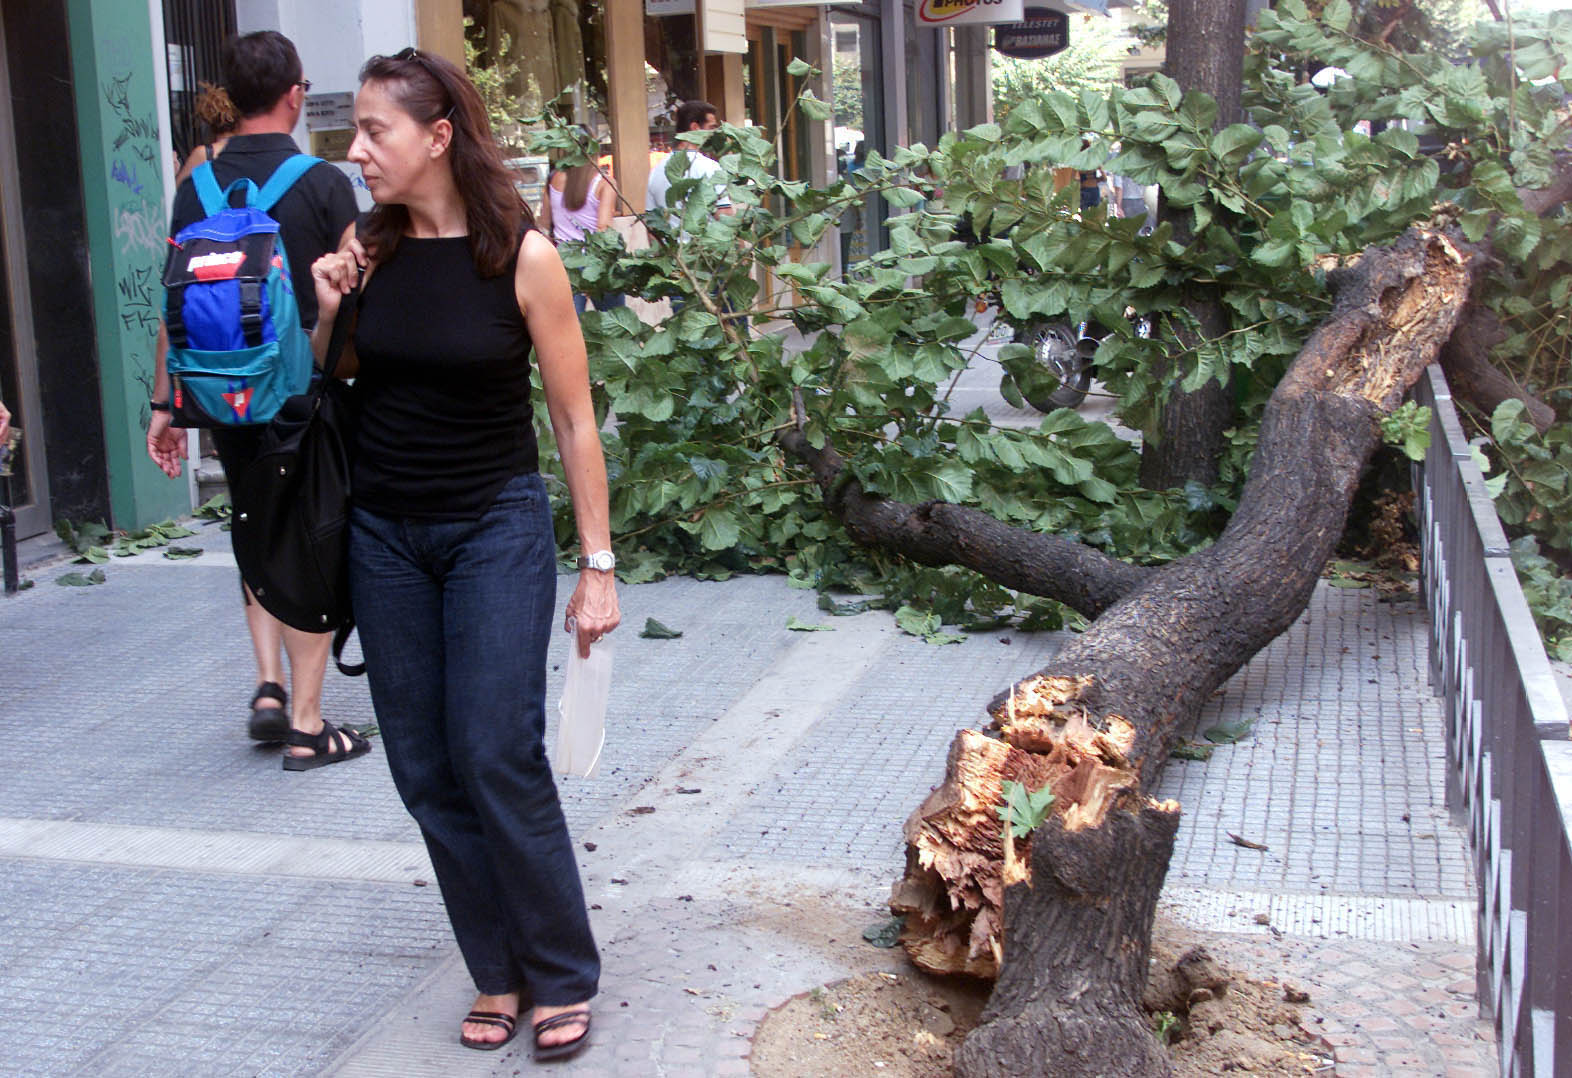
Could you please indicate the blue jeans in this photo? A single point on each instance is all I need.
(611, 302)
(454, 618)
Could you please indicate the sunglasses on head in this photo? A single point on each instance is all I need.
(410, 53)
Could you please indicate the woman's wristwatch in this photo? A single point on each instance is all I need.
(602, 561)
(159, 406)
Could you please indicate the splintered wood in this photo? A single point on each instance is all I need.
(958, 861)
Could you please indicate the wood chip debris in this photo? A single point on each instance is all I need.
(1246, 843)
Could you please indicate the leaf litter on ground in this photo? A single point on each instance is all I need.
(654, 630)
(80, 580)
(804, 627)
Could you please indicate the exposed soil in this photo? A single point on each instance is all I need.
(908, 1023)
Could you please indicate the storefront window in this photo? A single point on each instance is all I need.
(671, 72)
(857, 76)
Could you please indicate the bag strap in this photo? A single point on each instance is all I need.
(335, 345)
(340, 638)
(207, 188)
(283, 179)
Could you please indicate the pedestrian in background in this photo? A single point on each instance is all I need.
(452, 553)
(217, 112)
(263, 80)
(579, 200)
(688, 162)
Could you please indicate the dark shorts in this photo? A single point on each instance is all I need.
(237, 448)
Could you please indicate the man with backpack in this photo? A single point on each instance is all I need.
(315, 215)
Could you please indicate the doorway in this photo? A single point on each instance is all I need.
(28, 485)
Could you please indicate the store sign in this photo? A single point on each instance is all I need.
(668, 7)
(329, 112)
(968, 12)
(1042, 33)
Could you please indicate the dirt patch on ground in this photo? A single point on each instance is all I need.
(908, 1024)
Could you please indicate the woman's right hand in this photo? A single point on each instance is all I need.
(335, 276)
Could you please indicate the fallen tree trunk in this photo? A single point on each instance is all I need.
(1097, 724)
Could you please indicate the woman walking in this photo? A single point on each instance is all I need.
(452, 556)
(579, 200)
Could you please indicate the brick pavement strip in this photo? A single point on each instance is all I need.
(808, 751)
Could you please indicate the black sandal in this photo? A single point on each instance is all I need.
(327, 747)
(269, 723)
(508, 1022)
(544, 1052)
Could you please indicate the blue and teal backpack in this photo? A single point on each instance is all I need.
(236, 348)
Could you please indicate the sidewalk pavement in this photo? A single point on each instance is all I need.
(173, 903)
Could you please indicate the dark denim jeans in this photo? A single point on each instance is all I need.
(610, 303)
(454, 618)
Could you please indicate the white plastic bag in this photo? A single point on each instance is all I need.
(581, 714)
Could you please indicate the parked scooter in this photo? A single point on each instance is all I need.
(1065, 354)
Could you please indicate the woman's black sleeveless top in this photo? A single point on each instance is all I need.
(445, 418)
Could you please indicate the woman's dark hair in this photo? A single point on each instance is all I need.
(259, 68)
(429, 89)
(580, 181)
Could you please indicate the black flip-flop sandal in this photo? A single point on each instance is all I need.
(326, 747)
(269, 723)
(544, 1052)
(508, 1022)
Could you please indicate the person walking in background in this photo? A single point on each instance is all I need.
(217, 112)
(262, 78)
(452, 553)
(687, 162)
(579, 200)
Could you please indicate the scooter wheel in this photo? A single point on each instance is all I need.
(1056, 350)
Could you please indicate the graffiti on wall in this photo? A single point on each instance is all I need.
(136, 215)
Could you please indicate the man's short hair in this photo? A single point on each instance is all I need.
(691, 114)
(259, 68)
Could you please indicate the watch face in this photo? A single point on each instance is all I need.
(601, 561)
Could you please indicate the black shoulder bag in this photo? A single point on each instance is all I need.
(291, 525)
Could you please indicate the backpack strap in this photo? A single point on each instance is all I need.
(207, 188)
(283, 179)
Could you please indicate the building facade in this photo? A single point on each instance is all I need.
(96, 111)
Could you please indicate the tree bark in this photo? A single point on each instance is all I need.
(1471, 375)
(1205, 52)
(1097, 724)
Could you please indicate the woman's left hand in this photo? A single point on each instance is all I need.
(592, 612)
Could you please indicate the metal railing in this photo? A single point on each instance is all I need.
(1509, 761)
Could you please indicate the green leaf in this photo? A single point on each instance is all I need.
(916, 622)
(178, 553)
(847, 609)
(654, 630)
(944, 638)
(718, 529)
(78, 580)
(1023, 810)
(1233, 143)
(886, 933)
(799, 68)
(1337, 14)
(812, 107)
(1228, 733)
(803, 627)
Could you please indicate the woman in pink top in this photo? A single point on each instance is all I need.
(578, 201)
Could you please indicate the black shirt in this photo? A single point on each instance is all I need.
(312, 214)
(445, 417)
